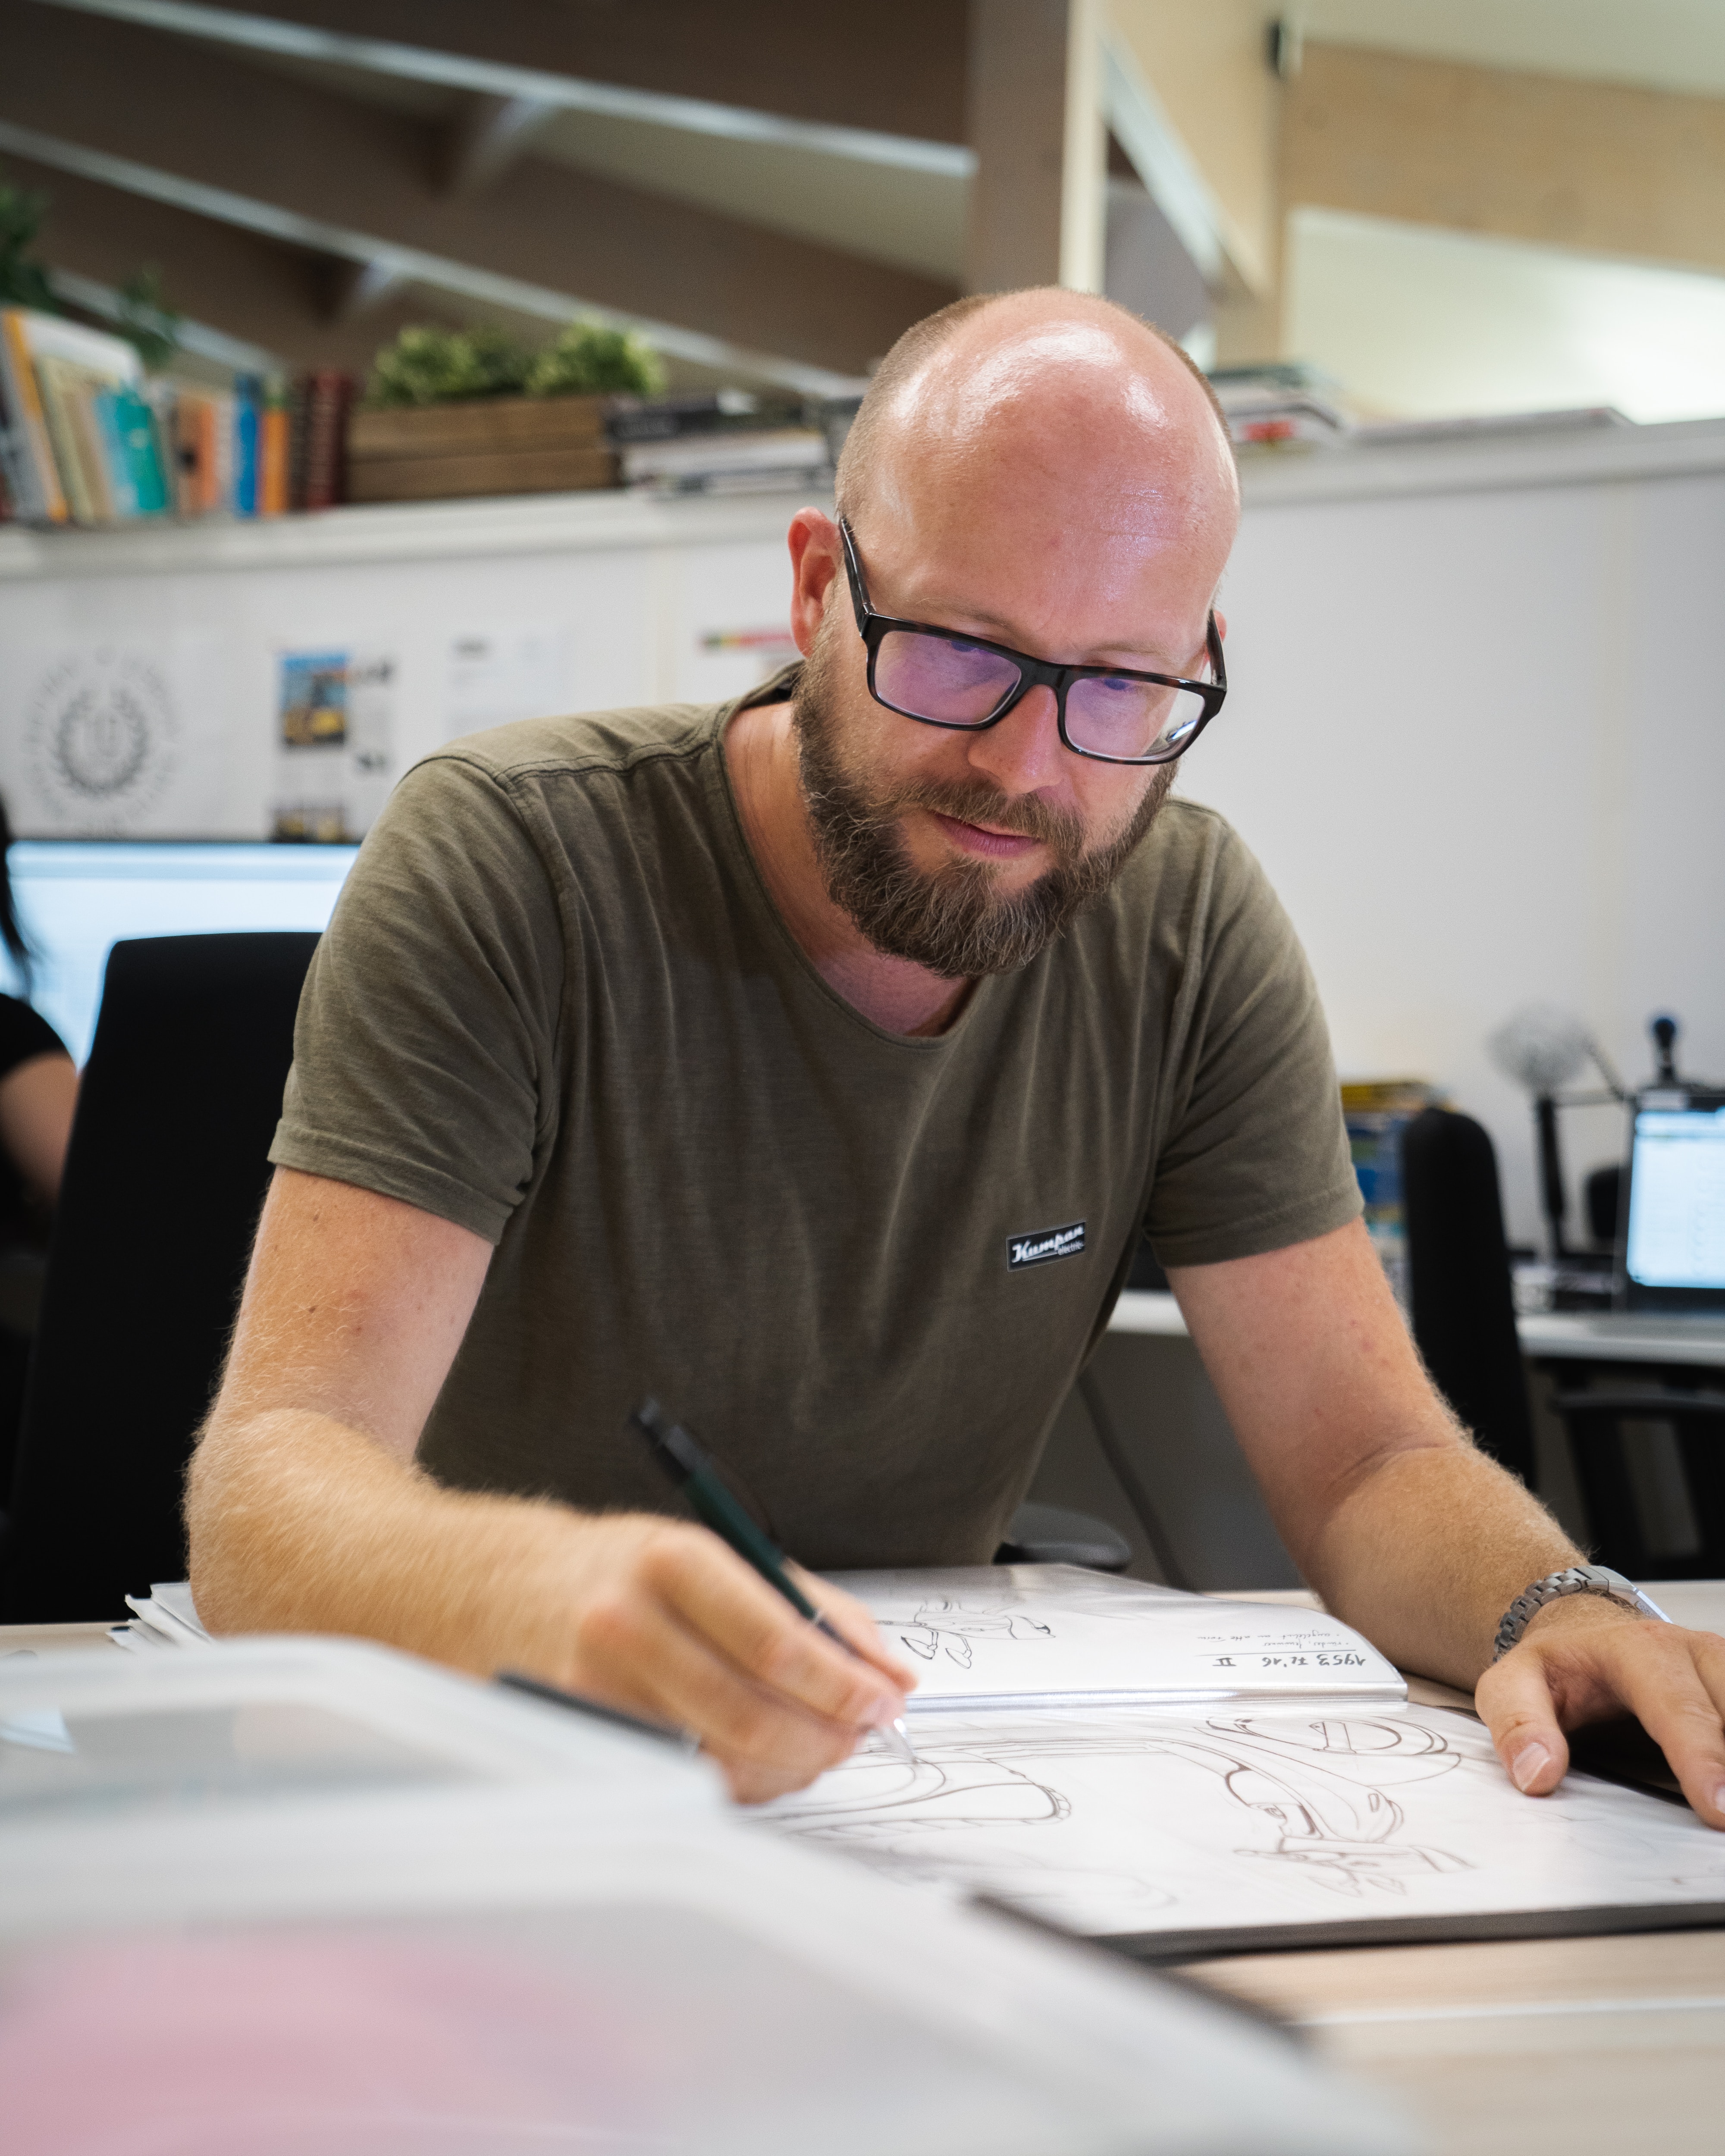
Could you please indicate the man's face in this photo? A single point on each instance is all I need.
(1050, 482)
(938, 861)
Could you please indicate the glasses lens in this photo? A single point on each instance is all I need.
(1113, 714)
(942, 678)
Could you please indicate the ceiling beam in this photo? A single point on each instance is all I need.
(356, 290)
(891, 77)
(180, 123)
(265, 294)
(486, 135)
(1595, 165)
(1034, 116)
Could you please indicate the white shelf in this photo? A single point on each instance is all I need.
(611, 520)
(600, 521)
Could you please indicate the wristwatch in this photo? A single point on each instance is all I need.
(1578, 1579)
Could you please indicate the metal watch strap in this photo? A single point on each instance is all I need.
(1577, 1579)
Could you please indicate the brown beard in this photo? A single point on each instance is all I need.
(952, 921)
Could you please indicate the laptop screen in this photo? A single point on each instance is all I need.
(77, 897)
(1674, 1254)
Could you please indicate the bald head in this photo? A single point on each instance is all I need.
(1045, 469)
(1072, 390)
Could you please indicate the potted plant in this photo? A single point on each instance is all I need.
(451, 413)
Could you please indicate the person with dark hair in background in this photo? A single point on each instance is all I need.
(39, 1091)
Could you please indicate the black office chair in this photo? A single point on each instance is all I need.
(1606, 1421)
(1054, 1534)
(164, 1179)
(1463, 1303)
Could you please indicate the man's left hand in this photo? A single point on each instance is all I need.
(1586, 1660)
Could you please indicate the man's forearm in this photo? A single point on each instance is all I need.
(298, 1523)
(1427, 1552)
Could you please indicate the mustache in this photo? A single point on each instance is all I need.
(1025, 815)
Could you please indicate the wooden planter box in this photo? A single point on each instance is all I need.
(492, 445)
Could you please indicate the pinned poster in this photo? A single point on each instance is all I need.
(335, 742)
(125, 739)
(517, 671)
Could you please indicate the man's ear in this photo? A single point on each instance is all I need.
(815, 561)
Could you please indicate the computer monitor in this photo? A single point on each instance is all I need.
(77, 898)
(1674, 1244)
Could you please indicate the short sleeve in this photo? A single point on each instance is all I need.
(1256, 1156)
(24, 1034)
(425, 1048)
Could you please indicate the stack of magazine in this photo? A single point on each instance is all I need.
(721, 441)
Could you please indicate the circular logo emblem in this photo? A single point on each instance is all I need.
(102, 738)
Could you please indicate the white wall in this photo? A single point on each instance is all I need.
(1477, 733)
(1478, 741)
(481, 614)
(1413, 319)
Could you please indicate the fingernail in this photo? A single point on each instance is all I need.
(1719, 1799)
(883, 1713)
(1527, 1764)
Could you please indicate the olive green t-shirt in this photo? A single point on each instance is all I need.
(557, 1005)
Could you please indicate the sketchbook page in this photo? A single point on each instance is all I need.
(1012, 1635)
(1184, 1835)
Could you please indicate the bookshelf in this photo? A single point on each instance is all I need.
(528, 524)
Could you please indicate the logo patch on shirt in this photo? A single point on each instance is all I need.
(1043, 1246)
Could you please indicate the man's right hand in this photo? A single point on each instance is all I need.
(305, 1513)
(663, 1619)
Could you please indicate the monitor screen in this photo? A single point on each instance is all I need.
(1677, 1219)
(76, 898)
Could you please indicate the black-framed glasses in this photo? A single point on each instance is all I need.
(1108, 712)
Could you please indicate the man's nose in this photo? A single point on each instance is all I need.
(1023, 753)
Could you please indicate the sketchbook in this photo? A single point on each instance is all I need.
(994, 1637)
(1174, 1836)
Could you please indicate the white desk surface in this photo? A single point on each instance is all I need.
(1497, 2048)
(1572, 1334)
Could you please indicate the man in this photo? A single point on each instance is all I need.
(815, 1064)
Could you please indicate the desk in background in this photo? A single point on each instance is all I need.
(1556, 1335)
(1167, 1424)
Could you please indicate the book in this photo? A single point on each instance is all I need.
(32, 473)
(77, 455)
(323, 461)
(273, 447)
(193, 420)
(123, 487)
(630, 419)
(248, 394)
(733, 462)
(137, 480)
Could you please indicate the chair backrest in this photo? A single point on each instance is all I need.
(1609, 1424)
(1463, 1302)
(164, 1177)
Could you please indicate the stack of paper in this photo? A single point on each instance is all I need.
(164, 1617)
